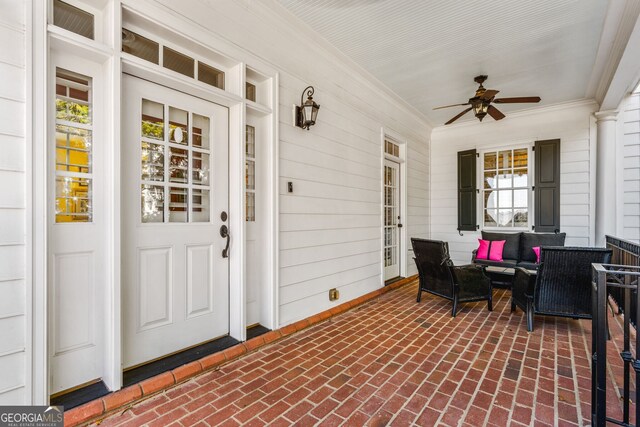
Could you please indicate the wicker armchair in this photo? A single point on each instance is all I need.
(440, 277)
(562, 286)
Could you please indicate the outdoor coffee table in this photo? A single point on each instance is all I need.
(501, 277)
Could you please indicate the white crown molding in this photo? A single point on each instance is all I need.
(528, 112)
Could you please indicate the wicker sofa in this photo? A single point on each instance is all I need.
(518, 250)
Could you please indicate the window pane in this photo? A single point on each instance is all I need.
(250, 206)
(490, 199)
(152, 119)
(250, 91)
(521, 218)
(520, 158)
(73, 199)
(211, 76)
(504, 160)
(73, 19)
(178, 126)
(200, 206)
(152, 203)
(139, 46)
(505, 198)
(491, 218)
(505, 217)
(152, 157)
(73, 149)
(200, 131)
(490, 180)
(520, 198)
(490, 161)
(178, 62)
(178, 204)
(178, 165)
(505, 179)
(200, 168)
(250, 175)
(73, 102)
(250, 143)
(520, 178)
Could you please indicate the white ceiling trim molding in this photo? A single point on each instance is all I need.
(621, 19)
(627, 73)
(528, 112)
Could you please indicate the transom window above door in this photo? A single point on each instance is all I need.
(506, 188)
(175, 161)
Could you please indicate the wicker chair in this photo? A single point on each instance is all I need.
(440, 277)
(562, 286)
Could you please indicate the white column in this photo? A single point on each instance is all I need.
(605, 175)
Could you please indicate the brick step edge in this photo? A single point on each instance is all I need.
(121, 399)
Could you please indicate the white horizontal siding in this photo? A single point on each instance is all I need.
(12, 203)
(571, 124)
(331, 224)
(631, 174)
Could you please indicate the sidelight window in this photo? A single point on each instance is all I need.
(73, 159)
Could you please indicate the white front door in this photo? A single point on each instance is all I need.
(175, 270)
(392, 223)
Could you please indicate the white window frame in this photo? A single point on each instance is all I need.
(480, 180)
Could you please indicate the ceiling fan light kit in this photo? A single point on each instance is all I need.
(481, 102)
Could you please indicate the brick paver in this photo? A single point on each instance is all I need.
(395, 362)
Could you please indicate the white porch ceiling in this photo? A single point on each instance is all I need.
(428, 51)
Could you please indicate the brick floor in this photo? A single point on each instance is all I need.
(395, 362)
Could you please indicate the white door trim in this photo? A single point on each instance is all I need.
(402, 161)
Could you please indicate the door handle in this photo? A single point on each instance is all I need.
(399, 225)
(224, 232)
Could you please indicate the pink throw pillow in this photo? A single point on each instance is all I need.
(536, 249)
(483, 249)
(495, 252)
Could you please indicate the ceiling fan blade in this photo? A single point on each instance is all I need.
(453, 105)
(495, 113)
(458, 116)
(517, 100)
(489, 93)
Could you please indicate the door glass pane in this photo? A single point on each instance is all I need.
(200, 206)
(178, 165)
(73, 199)
(200, 131)
(152, 119)
(178, 126)
(178, 204)
(152, 157)
(152, 203)
(200, 168)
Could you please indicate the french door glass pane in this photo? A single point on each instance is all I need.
(152, 119)
(178, 126)
(200, 206)
(152, 203)
(179, 164)
(152, 162)
(178, 204)
(200, 168)
(200, 131)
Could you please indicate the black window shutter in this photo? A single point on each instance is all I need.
(547, 186)
(467, 190)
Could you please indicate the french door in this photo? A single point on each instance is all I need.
(175, 265)
(392, 225)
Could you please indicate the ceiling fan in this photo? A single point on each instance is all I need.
(481, 102)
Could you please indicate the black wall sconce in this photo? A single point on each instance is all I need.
(307, 112)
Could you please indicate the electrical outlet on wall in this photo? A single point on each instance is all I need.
(334, 294)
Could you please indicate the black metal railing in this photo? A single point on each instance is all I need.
(624, 253)
(623, 280)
